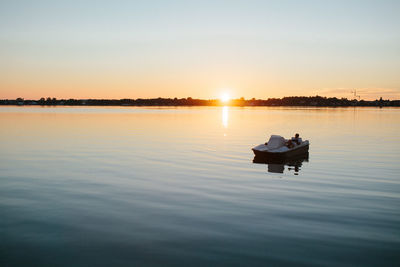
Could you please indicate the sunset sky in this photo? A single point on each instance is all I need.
(200, 49)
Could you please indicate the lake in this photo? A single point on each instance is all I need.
(130, 186)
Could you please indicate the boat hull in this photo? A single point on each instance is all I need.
(297, 151)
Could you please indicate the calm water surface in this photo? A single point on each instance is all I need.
(92, 186)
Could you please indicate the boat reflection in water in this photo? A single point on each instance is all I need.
(278, 166)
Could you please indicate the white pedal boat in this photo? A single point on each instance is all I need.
(276, 148)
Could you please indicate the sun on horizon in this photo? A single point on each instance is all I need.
(225, 97)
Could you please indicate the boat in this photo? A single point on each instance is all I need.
(277, 148)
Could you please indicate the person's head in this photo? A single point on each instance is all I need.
(297, 135)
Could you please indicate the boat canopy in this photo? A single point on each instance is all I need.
(275, 141)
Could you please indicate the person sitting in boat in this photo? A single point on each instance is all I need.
(289, 143)
(296, 139)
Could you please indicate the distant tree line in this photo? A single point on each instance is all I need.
(317, 101)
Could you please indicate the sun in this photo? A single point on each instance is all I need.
(225, 97)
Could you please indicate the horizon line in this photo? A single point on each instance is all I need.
(192, 98)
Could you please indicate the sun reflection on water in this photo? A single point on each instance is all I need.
(225, 116)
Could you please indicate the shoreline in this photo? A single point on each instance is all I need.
(176, 106)
(293, 101)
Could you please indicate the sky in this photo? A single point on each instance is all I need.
(200, 49)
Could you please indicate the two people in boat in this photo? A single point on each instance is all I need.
(296, 140)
